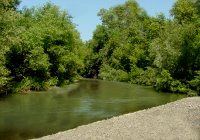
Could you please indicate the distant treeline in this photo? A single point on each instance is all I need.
(40, 47)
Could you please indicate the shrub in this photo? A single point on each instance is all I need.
(195, 83)
(109, 73)
(163, 81)
(147, 77)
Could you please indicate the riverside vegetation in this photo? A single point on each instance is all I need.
(40, 47)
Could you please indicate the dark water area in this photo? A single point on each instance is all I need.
(25, 116)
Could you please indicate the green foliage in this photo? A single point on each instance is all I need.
(184, 11)
(152, 51)
(134, 74)
(40, 47)
(121, 41)
(8, 36)
(195, 83)
(163, 81)
(109, 73)
(174, 86)
(30, 83)
(147, 77)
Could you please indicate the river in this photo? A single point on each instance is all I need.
(35, 114)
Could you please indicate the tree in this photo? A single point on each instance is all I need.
(120, 41)
(8, 36)
(153, 51)
(184, 11)
(49, 51)
(176, 49)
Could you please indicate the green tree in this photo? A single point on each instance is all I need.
(151, 50)
(120, 41)
(184, 11)
(177, 49)
(8, 36)
(49, 52)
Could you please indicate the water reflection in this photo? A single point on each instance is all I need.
(42, 113)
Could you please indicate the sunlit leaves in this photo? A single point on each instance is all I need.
(184, 11)
(153, 51)
(8, 36)
(48, 52)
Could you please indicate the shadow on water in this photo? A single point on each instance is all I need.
(24, 116)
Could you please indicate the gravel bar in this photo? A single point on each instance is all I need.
(179, 120)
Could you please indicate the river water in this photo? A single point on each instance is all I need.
(36, 114)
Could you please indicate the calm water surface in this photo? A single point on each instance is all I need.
(24, 116)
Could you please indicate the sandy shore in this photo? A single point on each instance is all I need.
(178, 120)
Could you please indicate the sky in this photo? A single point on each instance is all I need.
(84, 12)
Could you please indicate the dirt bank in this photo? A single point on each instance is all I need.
(178, 120)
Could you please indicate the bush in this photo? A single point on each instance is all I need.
(174, 86)
(109, 73)
(134, 74)
(183, 89)
(22, 86)
(48, 51)
(147, 77)
(163, 81)
(30, 83)
(192, 93)
(195, 83)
